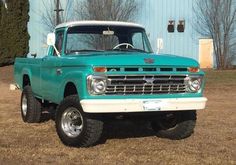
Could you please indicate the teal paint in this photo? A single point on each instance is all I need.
(49, 85)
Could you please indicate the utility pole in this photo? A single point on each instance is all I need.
(58, 10)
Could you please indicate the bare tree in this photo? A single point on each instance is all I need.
(48, 15)
(110, 10)
(217, 19)
(106, 10)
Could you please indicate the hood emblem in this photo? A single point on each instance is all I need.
(149, 81)
(149, 60)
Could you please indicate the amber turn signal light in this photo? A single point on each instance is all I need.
(193, 69)
(100, 69)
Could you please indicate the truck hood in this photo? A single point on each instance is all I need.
(128, 59)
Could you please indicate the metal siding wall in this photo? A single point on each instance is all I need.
(36, 29)
(155, 16)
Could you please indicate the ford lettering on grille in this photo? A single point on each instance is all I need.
(145, 84)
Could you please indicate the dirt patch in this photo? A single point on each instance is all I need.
(214, 140)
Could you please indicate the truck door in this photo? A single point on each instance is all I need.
(50, 70)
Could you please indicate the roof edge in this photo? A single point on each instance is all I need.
(102, 23)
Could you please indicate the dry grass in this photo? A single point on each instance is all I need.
(214, 140)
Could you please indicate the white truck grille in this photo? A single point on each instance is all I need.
(145, 84)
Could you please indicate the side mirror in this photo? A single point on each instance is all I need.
(51, 41)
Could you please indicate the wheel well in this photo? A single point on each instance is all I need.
(26, 80)
(70, 89)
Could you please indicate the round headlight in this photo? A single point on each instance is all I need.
(98, 86)
(194, 85)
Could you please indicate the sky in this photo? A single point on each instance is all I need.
(36, 28)
(153, 14)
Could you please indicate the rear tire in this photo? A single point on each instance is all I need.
(30, 106)
(175, 125)
(74, 127)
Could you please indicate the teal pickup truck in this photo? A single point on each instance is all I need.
(95, 70)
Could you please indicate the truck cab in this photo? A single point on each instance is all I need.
(97, 69)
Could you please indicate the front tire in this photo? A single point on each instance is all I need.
(175, 125)
(74, 127)
(30, 106)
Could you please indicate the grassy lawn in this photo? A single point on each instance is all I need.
(220, 77)
(213, 142)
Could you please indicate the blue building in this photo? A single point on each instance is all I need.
(155, 15)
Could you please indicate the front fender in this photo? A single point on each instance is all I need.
(79, 79)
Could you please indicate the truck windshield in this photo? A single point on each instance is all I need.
(83, 39)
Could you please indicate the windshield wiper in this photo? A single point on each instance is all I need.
(130, 50)
(83, 50)
(137, 50)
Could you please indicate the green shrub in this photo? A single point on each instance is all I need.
(14, 37)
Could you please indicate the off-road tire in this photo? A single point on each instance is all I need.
(33, 106)
(185, 124)
(91, 130)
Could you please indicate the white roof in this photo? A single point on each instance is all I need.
(98, 23)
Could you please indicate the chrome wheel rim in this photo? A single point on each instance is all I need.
(24, 106)
(72, 122)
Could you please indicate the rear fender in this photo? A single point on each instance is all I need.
(27, 72)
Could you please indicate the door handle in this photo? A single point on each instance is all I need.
(59, 71)
(44, 58)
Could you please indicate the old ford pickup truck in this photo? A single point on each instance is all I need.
(95, 70)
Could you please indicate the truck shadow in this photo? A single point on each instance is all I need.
(48, 114)
(125, 130)
(113, 129)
